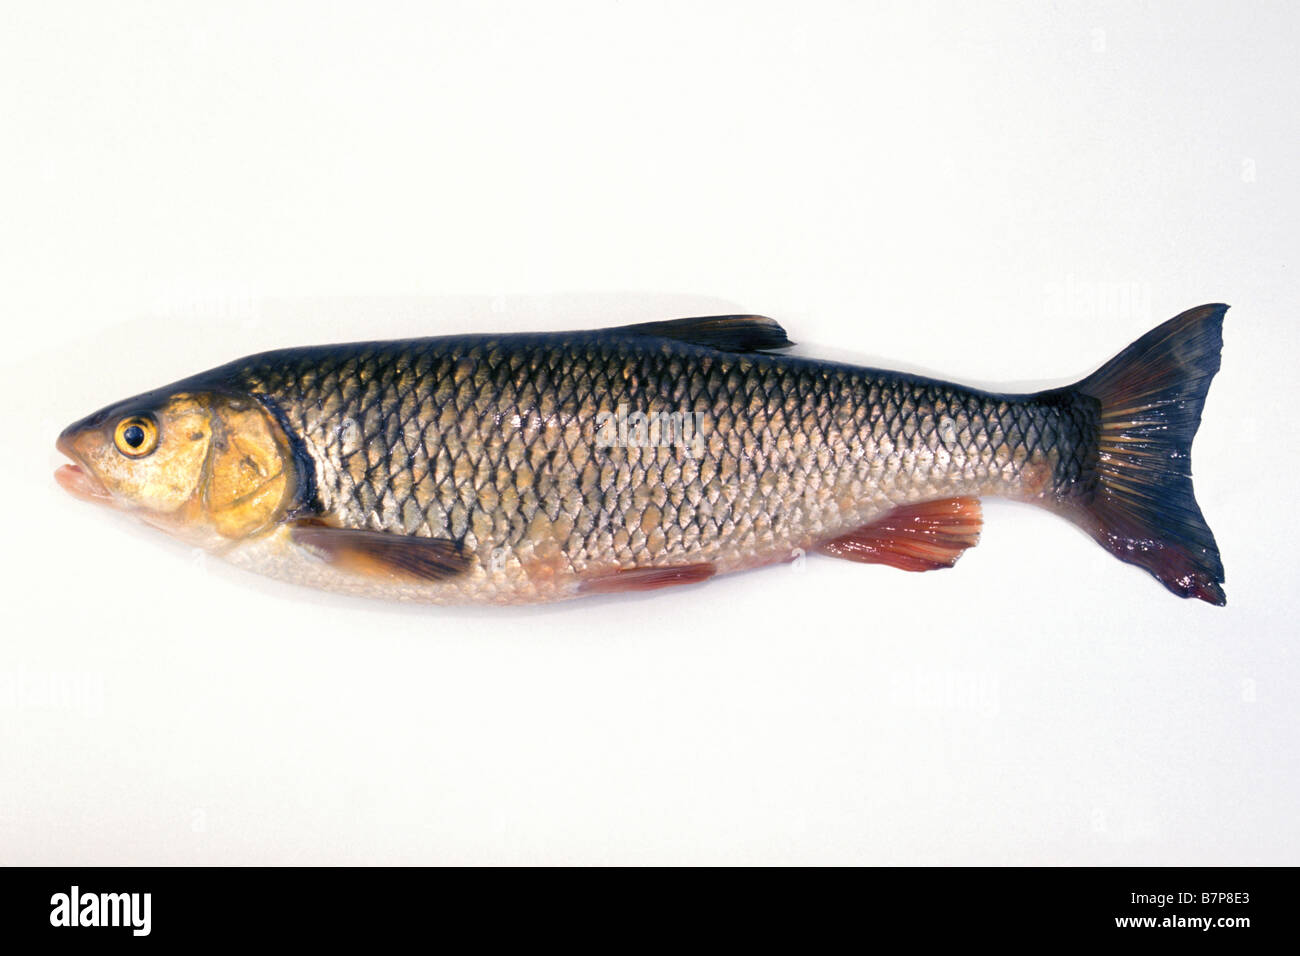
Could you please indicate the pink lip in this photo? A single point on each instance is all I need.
(80, 484)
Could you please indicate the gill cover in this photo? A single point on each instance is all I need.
(250, 475)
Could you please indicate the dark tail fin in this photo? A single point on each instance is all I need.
(1141, 507)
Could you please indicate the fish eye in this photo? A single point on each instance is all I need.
(136, 436)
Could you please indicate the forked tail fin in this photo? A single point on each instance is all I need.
(1140, 504)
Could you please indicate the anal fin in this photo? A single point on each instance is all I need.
(922, 537)
(647, 579)
(380, 554)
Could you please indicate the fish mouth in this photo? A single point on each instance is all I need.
(77, 481)
(81, 484)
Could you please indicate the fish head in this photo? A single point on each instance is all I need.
(204, 466)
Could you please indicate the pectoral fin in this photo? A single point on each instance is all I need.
(379, 554)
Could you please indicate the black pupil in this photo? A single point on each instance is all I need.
(133, 436)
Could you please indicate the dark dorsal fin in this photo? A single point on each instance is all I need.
(727, 333)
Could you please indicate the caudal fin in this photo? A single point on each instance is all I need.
(1140, 505)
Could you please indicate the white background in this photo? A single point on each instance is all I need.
(1001, 194)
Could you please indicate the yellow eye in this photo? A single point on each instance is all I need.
(136, 436)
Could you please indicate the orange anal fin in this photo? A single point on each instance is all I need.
(380, 554)
(924, 537)
(646, 579)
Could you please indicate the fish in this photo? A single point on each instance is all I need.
(543, 466)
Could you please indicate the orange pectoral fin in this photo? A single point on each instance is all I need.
(922, 537)
(646, 579)
(379, 554)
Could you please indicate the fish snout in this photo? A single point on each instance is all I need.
(76, 479)
(66, 442)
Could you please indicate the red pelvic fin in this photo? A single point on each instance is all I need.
(922, 537)
(647, 579)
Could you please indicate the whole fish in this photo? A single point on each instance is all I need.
(539, 467)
